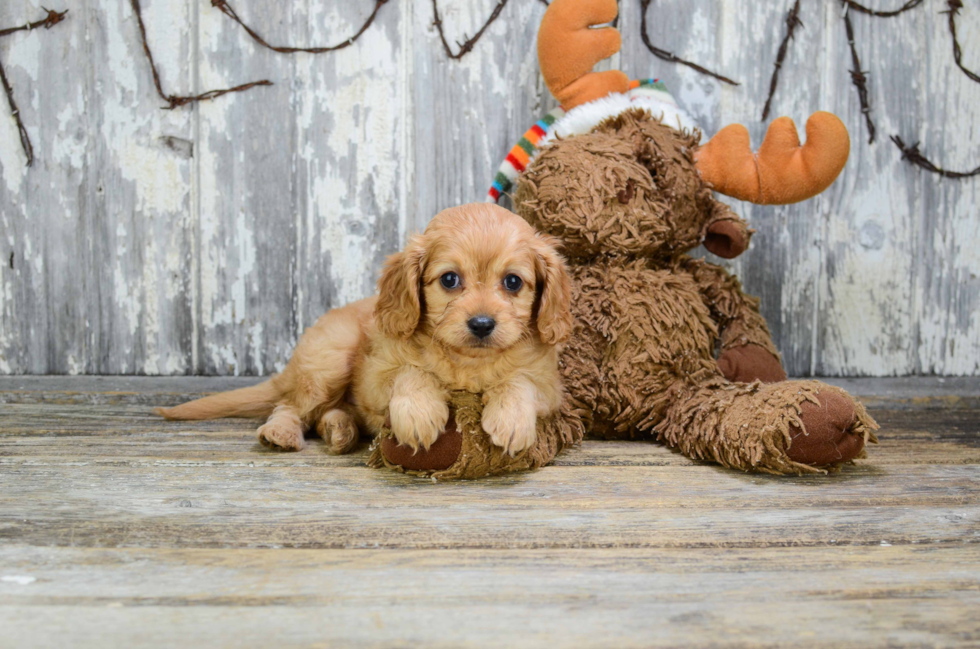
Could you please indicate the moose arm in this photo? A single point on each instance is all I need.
(747, 351)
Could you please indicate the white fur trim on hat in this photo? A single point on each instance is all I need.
(582, 119)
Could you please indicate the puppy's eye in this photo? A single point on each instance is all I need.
(513, 283)
(449, 281)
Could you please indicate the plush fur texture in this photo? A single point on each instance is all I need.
(629, 203)
(469, 452)
(389, 363)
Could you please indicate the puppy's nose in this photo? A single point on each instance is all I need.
(481, 325)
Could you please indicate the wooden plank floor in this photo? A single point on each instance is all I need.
(117, 529)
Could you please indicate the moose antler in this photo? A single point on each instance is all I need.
(782, 172)
(568, 48)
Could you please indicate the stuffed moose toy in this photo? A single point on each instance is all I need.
(620, 176)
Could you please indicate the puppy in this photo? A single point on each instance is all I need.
(478, 302)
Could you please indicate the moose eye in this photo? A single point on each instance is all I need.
(449, 280)
(513, 283)
(626, 195)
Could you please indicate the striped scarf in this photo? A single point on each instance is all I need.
(642, 91)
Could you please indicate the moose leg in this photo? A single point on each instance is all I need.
(789, 427)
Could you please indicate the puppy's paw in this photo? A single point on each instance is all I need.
(512, 427)
(417, 421)
(338, 430)
(282, 433)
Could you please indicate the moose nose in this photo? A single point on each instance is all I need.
(481, 325)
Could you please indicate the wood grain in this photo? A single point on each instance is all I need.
(117, 528)
(71, 433)
(837, 596)
(186, 505)
(205, 239)
(117, 476)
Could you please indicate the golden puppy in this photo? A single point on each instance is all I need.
(478, 302)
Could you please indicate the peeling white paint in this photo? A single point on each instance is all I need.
(75, 366)
(68, 149)
(878, 276)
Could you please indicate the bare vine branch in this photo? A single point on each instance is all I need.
(954, 9)
(792, 22)
(228, 10)
(859, 78)
(49, 21)
(913, 155)
(174, 101)
(466, 46)
(25, 139)
(669, 56)
(911, 4)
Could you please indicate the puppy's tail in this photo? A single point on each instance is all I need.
(255, 401)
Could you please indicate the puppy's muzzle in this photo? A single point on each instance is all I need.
(481, 326)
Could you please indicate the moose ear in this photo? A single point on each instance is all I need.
(726, 239)
(727, 235)
(399, 306)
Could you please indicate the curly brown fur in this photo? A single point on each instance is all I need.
(736, 313)
(750, 426)
(628, 202)
(477, 457)
(575, 190)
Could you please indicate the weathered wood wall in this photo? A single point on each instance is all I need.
(203, 240)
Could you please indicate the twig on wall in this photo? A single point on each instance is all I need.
(669, 56)
(913, 155)
(792, 22)
(911, 4)
(25, 139)
(859, 78)
(225, 8)
(954, 9)
(466, 46)
(173, 101)
(49, 21)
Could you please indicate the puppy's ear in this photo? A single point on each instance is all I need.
(554, 291)
(399, 306)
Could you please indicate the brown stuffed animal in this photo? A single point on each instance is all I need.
(620, 176)
(628, 202)
(628, 189)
